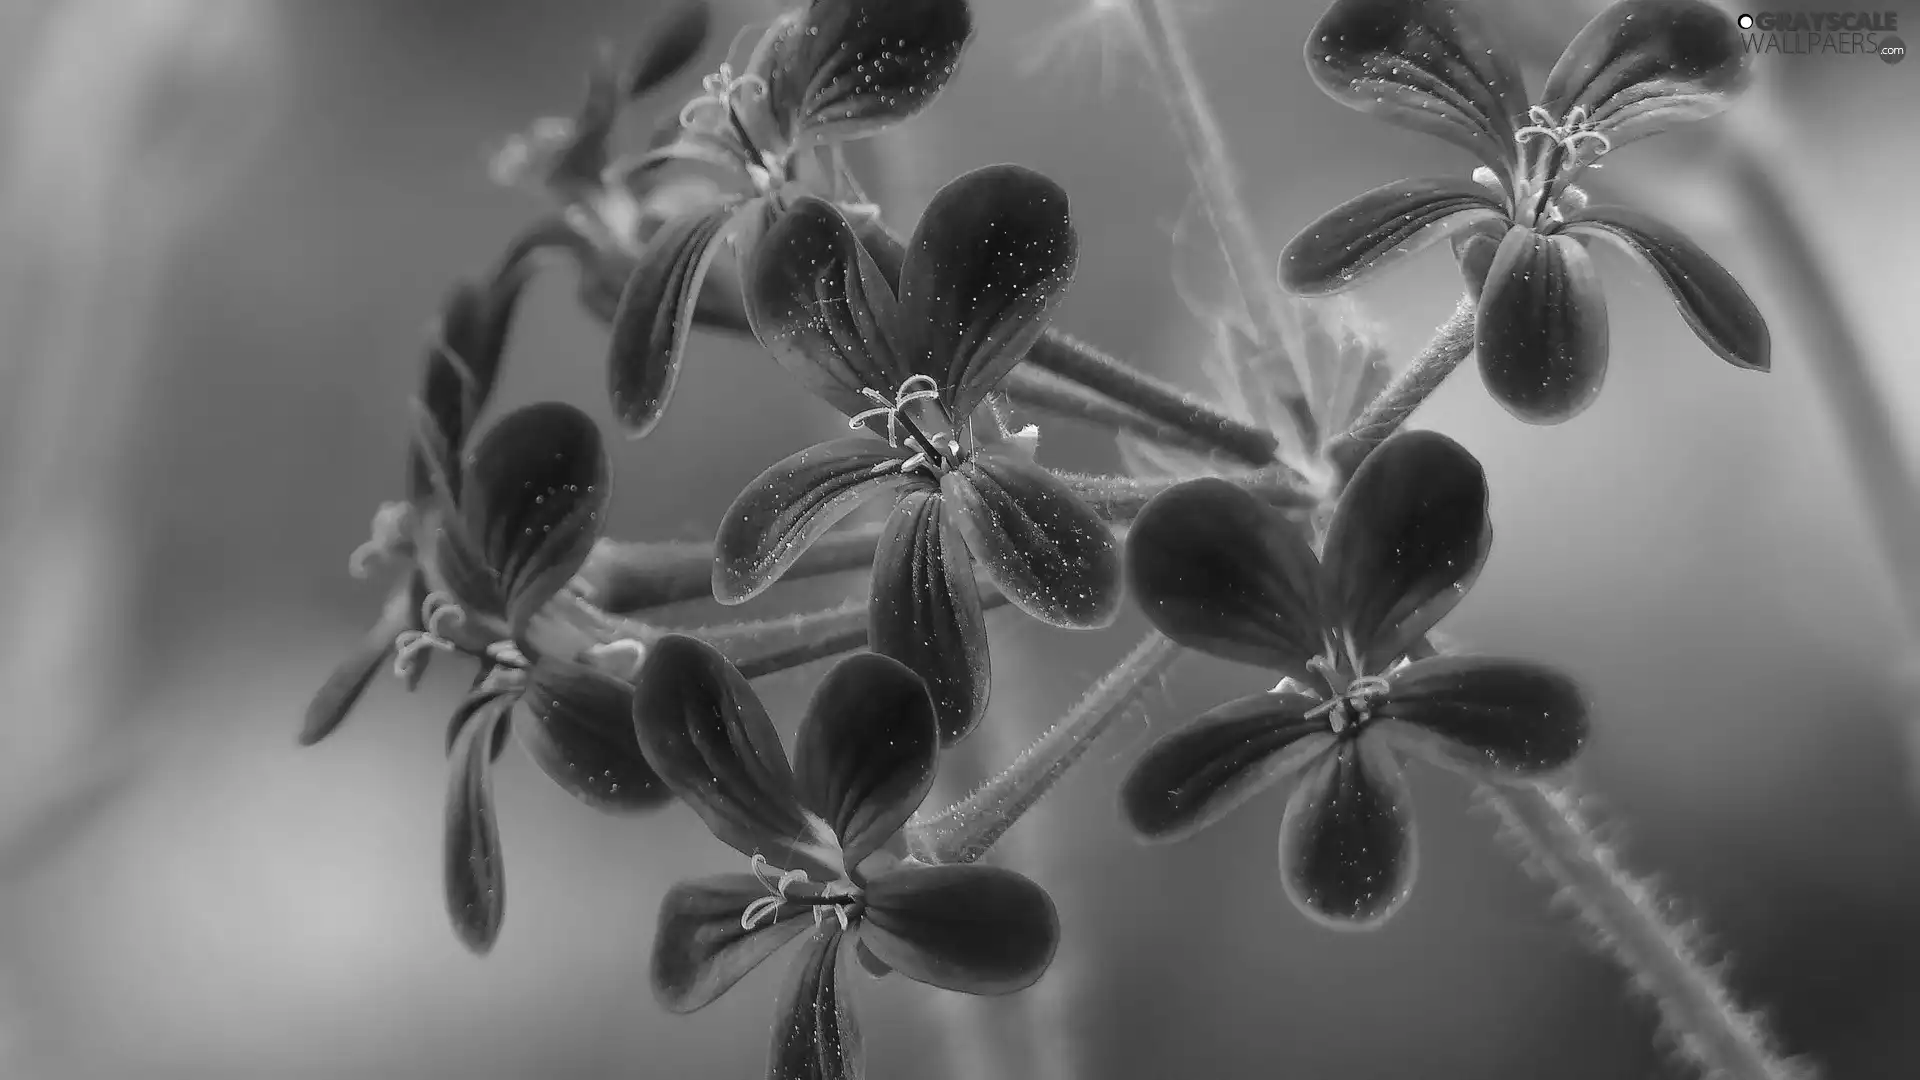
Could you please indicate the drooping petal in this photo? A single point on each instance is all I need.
(1347, 854)
(1642, 66)
(343, 688)
(705, 733)
(816, 1035)
(1541, 327)
(864, 756)
(926, 613)
(1406, 542)
(672, 40)
(462, 366)
(788, 507)
(473, 875)
(1038, 542)
(1217, 570)
(700, 949)
(817, 301)
(531, 507)
(581, 735)
(1197, 775)
(1487, 715)
(655, 315)
(967, 927)
(990, 260)
(847, 68)
(1379, 228)
(1430, 65)
(1709, 298)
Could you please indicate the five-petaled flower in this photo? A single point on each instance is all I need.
(826, 857)
(910, 357)
(1217, 570)
(1640, 67)
(826, 73)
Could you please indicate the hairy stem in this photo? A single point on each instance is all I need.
(1119, 499)
(1451, 344)
(623, 577)
(1632, 921)
(965, 831)
(1206, 148)
(1080, 363)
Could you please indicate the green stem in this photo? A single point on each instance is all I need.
(1451, 344)
(1078, 362)
(1663, 957)
(1164, 43)
(1118, 499)
(766, 646)
(966, 830)
(623, 577)
(1044, 392)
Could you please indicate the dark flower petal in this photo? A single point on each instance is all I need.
(1430, 65)
(873, 965)
(481, 702)
(656, 309)
(791, 505)
(1642, 66)
(343, 688)
(672, 41)
(990, 260)
(1215, 569)
(1709, 298)
(1541, 328)
(1406, 542)
(705, 733)
(536, 488)
(864, 756)
(818, 302)
(967, 927)
(1347, 856)
(847, 68)
(700, 949)
(1475, 246)
(462, 366)
(581, 735)
(1379, 228)
(1487, 715)
(1197, 775)
(816, 1035)
(474, 877)
(1038, 542)
(926, 613)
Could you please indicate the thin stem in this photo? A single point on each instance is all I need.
(966, 830)
(1044, 392)
(1119, 499)
(624, 577)
(1206, 147)
(1079, 362)
(1663, 957)
(1845, 373)
(765, 646)
(1451, 344)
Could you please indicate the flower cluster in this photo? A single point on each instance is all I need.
(1333, 589)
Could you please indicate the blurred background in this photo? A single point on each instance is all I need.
(224, 226)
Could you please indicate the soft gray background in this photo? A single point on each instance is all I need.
(226, 224)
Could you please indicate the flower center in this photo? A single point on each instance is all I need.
(795, 887)
(443, 618)
(934, 456)
(716, 116)
(1552, 152)
(1350, 702)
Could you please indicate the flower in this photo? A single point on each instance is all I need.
(823, 837)
(832, 71)
(461, 366)
(1640, 67)
(1218, 571)
(911, 359)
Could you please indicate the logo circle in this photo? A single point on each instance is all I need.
(1746, 22)
(1892, 50)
